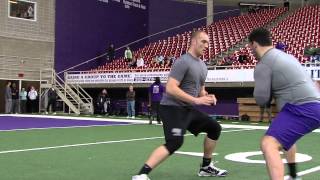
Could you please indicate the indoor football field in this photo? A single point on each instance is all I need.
(36, 147)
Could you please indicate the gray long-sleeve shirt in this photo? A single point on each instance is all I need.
(281, 76)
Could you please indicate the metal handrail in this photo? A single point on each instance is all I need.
(76, 87)
(64, 87)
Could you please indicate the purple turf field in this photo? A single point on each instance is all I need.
(15, 123)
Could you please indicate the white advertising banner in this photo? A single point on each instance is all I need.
(228, 75)
(314, 72)
(98, 78)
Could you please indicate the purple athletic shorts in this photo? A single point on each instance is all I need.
(293, 122)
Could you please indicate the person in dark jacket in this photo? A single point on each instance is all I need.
(111, 53)
(52, 100)
(102, 102)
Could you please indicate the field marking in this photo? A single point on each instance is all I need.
(68, 127)
(193, 153)
(97, 143)
(308, 171)
(77, 118)
(251, 127)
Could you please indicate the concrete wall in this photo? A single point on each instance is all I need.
(27, 39)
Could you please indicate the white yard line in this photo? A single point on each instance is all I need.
(250, 127)
(95, 143)
(76, 118)
(308, 171)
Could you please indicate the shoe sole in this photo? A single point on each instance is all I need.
(210, 175)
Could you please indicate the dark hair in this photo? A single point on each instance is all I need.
(157, 80)
(262, 36)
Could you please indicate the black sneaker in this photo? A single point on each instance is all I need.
(212, 170)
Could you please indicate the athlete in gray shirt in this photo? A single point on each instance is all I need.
(191, 73)
(185, 88)
(281, 76)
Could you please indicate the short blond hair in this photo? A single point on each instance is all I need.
(195, 34)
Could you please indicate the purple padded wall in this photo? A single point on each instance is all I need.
(84, 29)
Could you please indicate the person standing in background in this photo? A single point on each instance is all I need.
(32, 94)
(156, 91)
(266, 108)
(128, 54)
(8, 98)
(102, 102)
(111, 53)
(23, 100)
(52, 100)
(107, 103)
(131, 94)
(15, 98)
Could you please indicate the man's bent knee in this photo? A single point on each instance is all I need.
(174, 144)
(269, 142)
(214, 131)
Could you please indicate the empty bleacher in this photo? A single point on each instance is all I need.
(297, 31)
(223, 35)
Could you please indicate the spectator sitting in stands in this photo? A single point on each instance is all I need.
(251, 9)
(154, 62)
(167, 63)
(172, 59)
(140, 61)
(160, 59)
(228, 61)
(310, 50)
(281, 46)
(242, 58)
(219, 62)
(133, 63)
(128, 54)
(313, 52)
(212, 61)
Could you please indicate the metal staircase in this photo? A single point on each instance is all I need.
(72, 95)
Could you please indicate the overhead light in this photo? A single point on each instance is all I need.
(13, 1)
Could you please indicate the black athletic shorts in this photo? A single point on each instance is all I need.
(177, 119)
